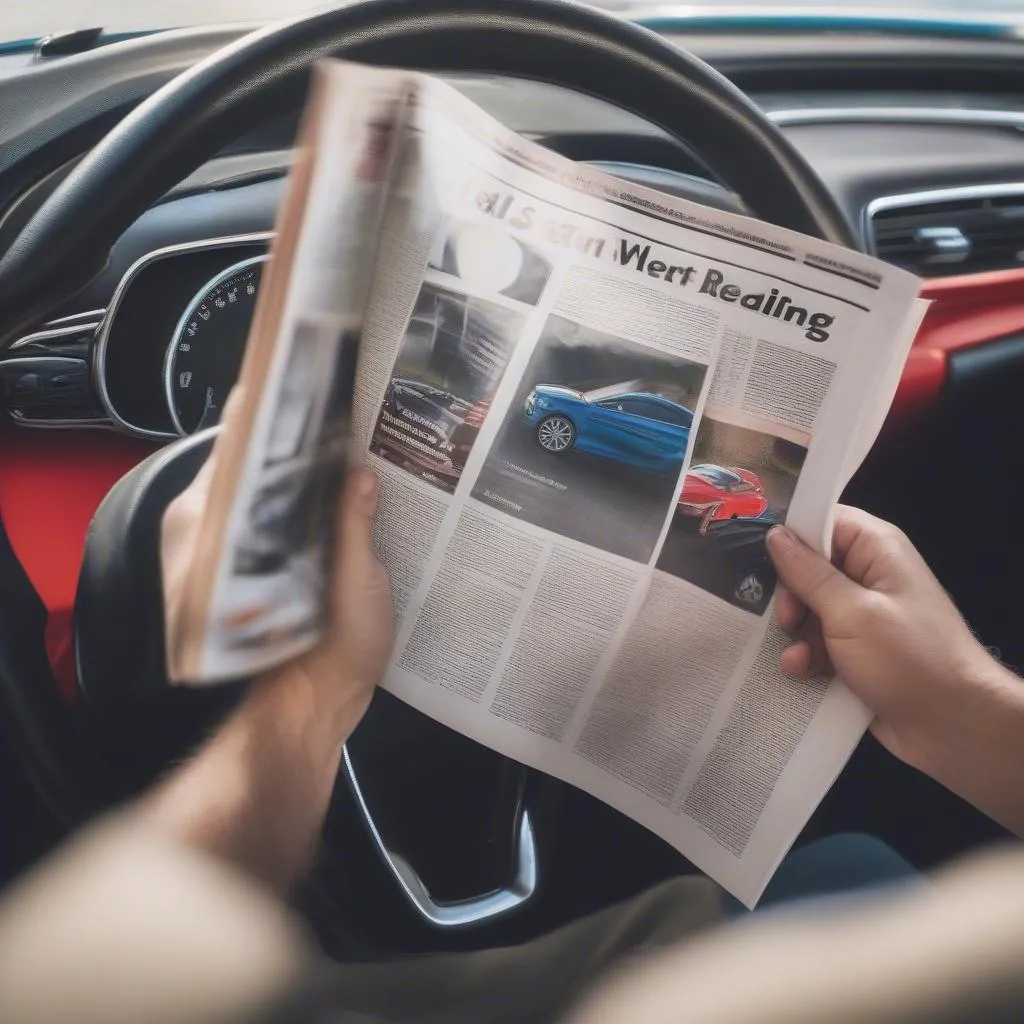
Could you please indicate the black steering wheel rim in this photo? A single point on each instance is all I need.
(67, 242)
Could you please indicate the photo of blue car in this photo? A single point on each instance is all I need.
(593, 442)
(640, 429)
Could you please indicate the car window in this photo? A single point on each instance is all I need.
(677, 414)
(654, 411)
(21, 19)
(717, 476)
(633, 406)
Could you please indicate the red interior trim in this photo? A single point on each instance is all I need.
(965, 311)
(52, 482)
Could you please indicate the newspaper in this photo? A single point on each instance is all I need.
(587, 403)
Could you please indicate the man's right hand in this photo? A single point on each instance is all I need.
(882, 621)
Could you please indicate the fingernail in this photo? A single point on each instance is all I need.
(780, 538)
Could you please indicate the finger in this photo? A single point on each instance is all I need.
(795, 660)
(806, 657)
(811, 635)
(812, 579)
(872, 552)
(790, 611)
(850, 524)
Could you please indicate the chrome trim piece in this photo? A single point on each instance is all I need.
(180, 326)
(103, 336)
(50, 333)
(80, 319)
(936, 195)
(464, 912)
(19, 420)
(898, 115)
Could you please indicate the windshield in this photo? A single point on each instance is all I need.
(716, 475)
(25, 19)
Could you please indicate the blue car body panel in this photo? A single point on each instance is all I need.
(634, 427)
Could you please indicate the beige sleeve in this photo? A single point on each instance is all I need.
(123, 926)
(952, 952)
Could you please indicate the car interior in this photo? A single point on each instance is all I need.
(140, 172)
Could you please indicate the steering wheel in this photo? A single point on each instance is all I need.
(182, 125)
(67, 242)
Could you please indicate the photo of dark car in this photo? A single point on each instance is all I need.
(417, 426)
(465, 434)
(450, 363)
(742, 573)
(635, 427)
(726, 558)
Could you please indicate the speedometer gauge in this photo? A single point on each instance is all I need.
(205, 354)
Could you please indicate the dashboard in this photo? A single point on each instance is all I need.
(170, 346)
(153, 345)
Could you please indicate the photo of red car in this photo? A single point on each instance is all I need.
(715, 493)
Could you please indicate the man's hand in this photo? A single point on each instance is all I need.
(257, 791)
(883, 623)
(879, 616)
(325, 693)
(340, 674)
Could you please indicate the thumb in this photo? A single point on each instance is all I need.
(809, 576)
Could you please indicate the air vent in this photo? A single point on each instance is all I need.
(952, 231)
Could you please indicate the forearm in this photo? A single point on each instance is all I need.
(975, 746)
(256, 793)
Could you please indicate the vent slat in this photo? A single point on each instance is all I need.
(959, 236)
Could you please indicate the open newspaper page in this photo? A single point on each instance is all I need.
(257, 592)
(587, 404)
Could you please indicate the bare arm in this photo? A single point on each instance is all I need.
(886, 626)
(256, 792)
(979, 753)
